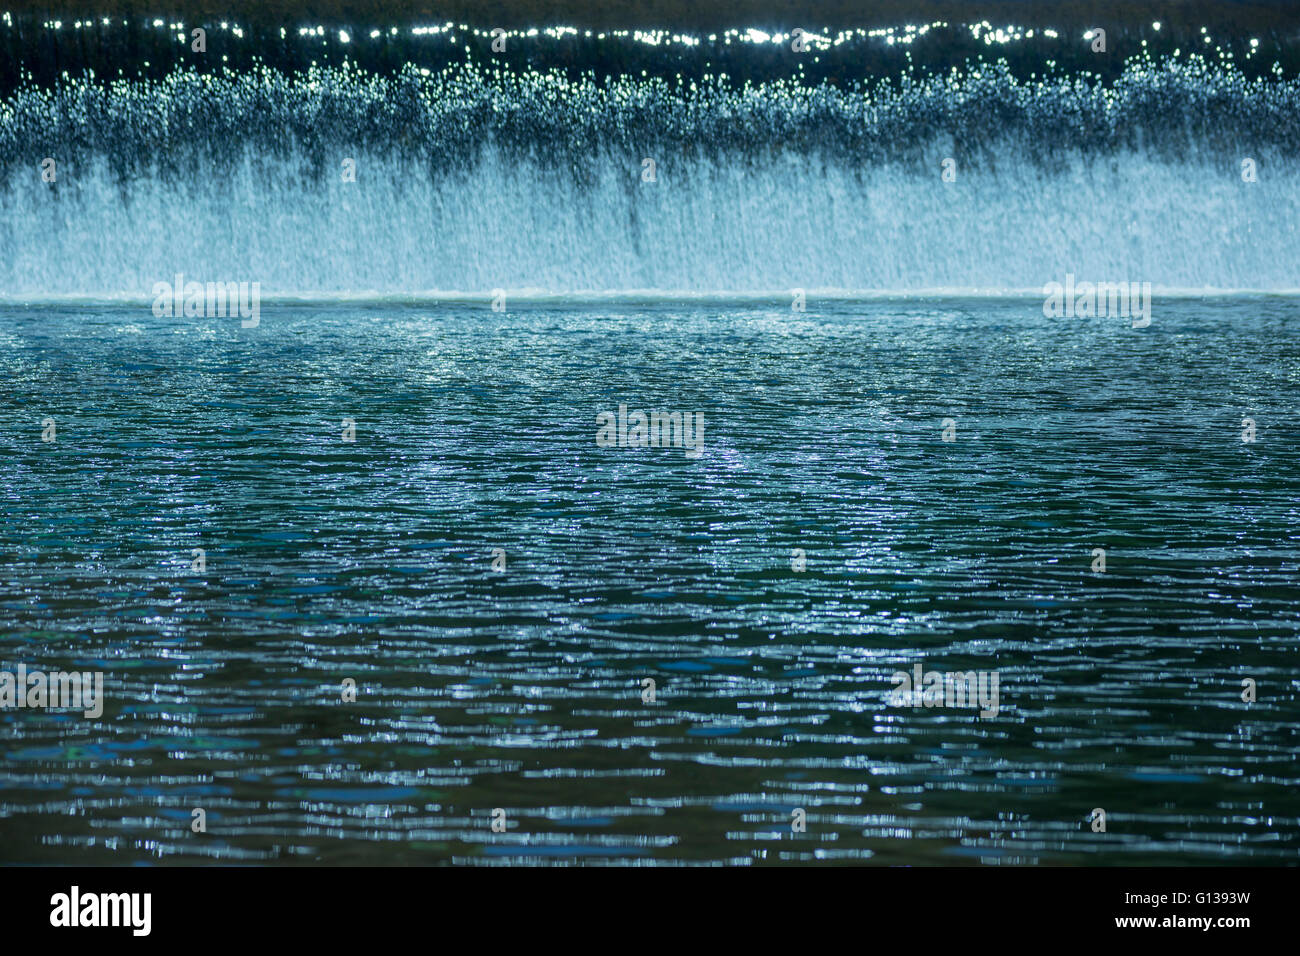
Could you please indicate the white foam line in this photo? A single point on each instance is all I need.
(546, 297)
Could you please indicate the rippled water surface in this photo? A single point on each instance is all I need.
(522, 689)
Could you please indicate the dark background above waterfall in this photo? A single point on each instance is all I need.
(694, 15)
(30, 50)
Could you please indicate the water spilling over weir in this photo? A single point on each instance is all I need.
(474, 178)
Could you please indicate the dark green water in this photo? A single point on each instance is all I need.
(521, 689)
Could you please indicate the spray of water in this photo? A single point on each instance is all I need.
(470, 179)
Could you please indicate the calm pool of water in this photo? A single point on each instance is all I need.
(522, 688)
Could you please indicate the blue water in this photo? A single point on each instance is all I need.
(435, 586)
(521, 689)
